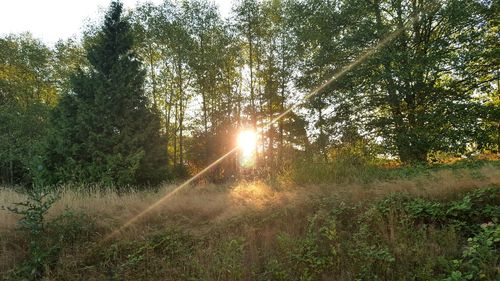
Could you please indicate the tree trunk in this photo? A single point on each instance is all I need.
(176, 114)
(322, 136)
(282, 104)
(252, 92)
(11, 172)
(181, 112)
(153, 75)
(181, 139)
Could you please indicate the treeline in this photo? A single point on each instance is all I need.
(161, 91)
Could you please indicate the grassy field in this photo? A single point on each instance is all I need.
(384, 224)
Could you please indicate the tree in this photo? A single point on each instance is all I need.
(27, 93)
(105, 130)
(248, 18)
(410, 92)
(214, 63)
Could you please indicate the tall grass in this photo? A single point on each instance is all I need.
(346, 168)
(253, 230)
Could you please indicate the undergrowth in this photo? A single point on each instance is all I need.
(397, 238)
(348, 170)
(45, 239)
(451, 236)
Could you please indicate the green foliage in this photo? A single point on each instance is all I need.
(407, 93)
(425, 210)
(390, 241)
(33, 211)
(466, 214)
(345, 166)
(46, 238)
(305, 258)
(33, 221)
(479, 257)
(27, 94)
(228, 262)
(104, 129)
(168, 248)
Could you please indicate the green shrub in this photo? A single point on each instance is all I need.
(46, 237)
(479, 260)
(228, 262)
(338, 171)
(33, 222)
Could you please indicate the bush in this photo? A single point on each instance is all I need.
(397, 237)
(33, 212)
(46, 238)
(479, 260)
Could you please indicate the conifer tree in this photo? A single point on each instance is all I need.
(104, 129)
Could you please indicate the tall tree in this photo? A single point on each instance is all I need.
(410, 92)
(105, 130)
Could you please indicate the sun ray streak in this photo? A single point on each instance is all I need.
(339, 74)
(167, 196)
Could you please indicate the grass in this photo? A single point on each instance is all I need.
(396, 225)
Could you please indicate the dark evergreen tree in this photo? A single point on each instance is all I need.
(104, 129)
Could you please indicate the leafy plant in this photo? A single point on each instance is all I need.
(33, 221)
(480, 258)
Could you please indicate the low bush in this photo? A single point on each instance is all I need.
(46, 238)
(397, 238)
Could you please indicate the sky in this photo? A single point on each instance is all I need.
(51, 20)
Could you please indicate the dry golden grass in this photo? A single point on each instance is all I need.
(210, 203)
(201, 209)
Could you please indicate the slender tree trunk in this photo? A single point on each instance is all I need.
(181, 138)
(176, 114)
(202, 77)
(181, 112)
(205, 113)
(168, 105)
(153, 75)
(11, 171)
(270, 103)
(498, 137)
(280, 124)
(322, 135)
(238, 107)
(282, 101)
(252, 91)
(498, 124)
(260, 117)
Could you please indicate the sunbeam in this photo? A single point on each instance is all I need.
(167, 196)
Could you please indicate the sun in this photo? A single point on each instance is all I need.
(247, 141)
(247, 144)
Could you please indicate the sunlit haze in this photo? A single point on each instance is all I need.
(51, 20)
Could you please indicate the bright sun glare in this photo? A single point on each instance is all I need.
(247, 143)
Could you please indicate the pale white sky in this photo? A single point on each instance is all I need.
(51, 20)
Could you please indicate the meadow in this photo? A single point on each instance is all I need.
(427, 223)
